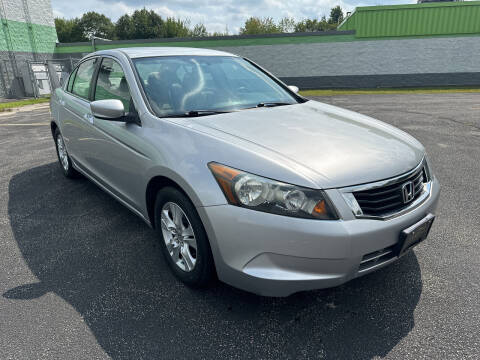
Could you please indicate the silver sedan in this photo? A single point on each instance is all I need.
(242, 178)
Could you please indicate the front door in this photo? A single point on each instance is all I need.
(119, 157)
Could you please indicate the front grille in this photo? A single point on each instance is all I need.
(388, 199)
(376, 258)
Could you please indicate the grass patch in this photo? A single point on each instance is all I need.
(15, 104)
(437, 90)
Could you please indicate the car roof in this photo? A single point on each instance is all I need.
(137, 52)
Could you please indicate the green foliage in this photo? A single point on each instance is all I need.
(199, 30)
(8, 106)
(147, 24)
(175, 28)
(68, 30)
(124, 28)
(336, 15)
(255, 25)
(311, 25)
(95, 24)
(286, 25)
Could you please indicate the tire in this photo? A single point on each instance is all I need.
(63, 159)
(178, 245)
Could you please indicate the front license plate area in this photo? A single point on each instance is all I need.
(415, 234)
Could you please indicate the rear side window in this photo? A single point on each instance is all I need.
(112, 84)
(83, 79)
(70, 80)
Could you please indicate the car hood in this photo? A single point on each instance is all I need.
(342, 147)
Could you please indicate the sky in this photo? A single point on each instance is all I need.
(216, 15)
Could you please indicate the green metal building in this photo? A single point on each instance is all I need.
(427, 19)
(27, 36)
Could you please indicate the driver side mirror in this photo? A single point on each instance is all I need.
(293, 88)
(111, 109)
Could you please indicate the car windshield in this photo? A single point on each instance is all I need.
(195, 85)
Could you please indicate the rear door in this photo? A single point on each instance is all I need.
(76, 115)
(64, 116)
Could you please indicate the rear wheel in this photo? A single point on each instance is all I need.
(184, 242)
(63, 158)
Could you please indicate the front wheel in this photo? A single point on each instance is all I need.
(184, 242)
(63, 158)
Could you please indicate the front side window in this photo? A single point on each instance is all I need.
(181, 84)
(83, 79)
(112, 84)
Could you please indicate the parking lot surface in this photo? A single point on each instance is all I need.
(83, 278)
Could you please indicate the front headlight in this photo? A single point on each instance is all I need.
(262, 194)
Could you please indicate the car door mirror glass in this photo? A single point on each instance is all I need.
(293, 88)
(111, 109)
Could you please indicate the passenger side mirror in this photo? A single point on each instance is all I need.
(293, 88)
(111, 109)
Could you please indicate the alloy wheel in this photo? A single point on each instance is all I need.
(62, 152)
(179, 236)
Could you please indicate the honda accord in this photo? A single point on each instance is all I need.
(242, 178)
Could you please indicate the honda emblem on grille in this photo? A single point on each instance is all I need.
(407, 192)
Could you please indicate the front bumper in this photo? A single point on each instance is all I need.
(275, 255)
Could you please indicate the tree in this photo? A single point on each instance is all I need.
(176, 28)
(307, 25)
(124, 28)
(336, 15)
(286, 25)
(255, 25)
(146, 24)
(311, 25)
(199, 30)
(95, 24)
(68, 30)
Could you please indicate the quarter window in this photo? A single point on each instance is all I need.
(83, 79)
(112, 84)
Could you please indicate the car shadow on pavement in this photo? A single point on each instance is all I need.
(106, 263)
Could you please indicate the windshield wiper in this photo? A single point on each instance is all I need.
(195, 113)
(272, 104)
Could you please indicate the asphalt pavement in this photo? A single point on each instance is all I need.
(83, 278)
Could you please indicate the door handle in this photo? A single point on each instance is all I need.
(89, 118)
(62, 102)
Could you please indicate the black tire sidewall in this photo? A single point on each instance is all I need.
(71, 172)
(203, 271)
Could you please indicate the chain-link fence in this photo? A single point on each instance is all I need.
(46, 76)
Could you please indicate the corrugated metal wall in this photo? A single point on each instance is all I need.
(367, 62)
(415, 20)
